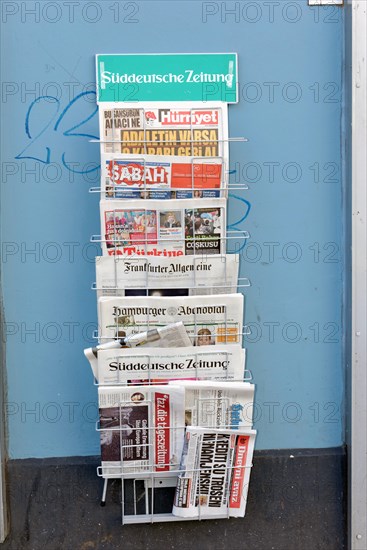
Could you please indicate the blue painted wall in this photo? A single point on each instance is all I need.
(290, 66)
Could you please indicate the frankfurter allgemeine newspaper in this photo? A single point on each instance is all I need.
(163, 228)
(162, 177)
(142, 429)
(208, 320)
(148, 365)
(216, 466)
(165, 128)
(212, 404)
(120, 276)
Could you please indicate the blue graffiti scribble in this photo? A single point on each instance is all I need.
(36, 112)
(234, 226)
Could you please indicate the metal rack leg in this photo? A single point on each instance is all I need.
(104, 492)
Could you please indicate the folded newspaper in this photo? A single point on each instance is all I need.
(142, 429)
(216, 466)
(208, 320)
(120, 276)
(162, 177)
(151, 366)
(169, 336)
(213, 404)
(165, 128)
(163, 228)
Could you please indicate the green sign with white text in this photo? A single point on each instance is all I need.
(167, 77)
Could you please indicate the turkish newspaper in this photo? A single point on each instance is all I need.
(165, 128)
(163, 228)
(153, 365)
(215, 473)
(208, 320)
(212, 404)
(184, 275)
(142, 429)
(162, 177)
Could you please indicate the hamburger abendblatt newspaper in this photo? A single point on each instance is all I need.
(142, 429)
(209, 320)
(152, 365)
(214, 274)
(216, 466)
(163, 228)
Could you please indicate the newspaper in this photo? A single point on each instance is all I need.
(208, 320)
(152, 365)
(165, 229)
(162, 177)
(212, 404)
(216, 467)
(142, 429)
(165, 128)
(173, 335)
(184, 275)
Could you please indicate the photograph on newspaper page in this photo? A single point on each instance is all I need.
(163, 228)
(212, 404)
(141, 429)
(215, 466)
(209, 320)
(146, 365)
(165, 129)
(190, 275)
(162, 177)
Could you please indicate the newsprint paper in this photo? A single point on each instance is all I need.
(165, 128)
(163, 228)
(142, 429)
(191, 275)
(209, 320)
(162, 177)
(216, 467)
(212, 404)
(153, 365)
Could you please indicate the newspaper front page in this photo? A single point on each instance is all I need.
(163, 228)
(191, 275)
(209, 320)
(216, 466)
(151, 366)
(212, 404)
(142, 429)
(162, 177)
(165, 128)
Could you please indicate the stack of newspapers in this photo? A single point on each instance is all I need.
(170, 367)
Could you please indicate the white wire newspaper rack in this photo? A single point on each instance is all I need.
(147, 495)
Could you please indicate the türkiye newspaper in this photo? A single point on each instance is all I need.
(162, 177)
(142, 429)
(148, 365)
(165, 128)
(190, 275)
(212, 404)
(163, 228)
(215, 467)
(208, 320)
